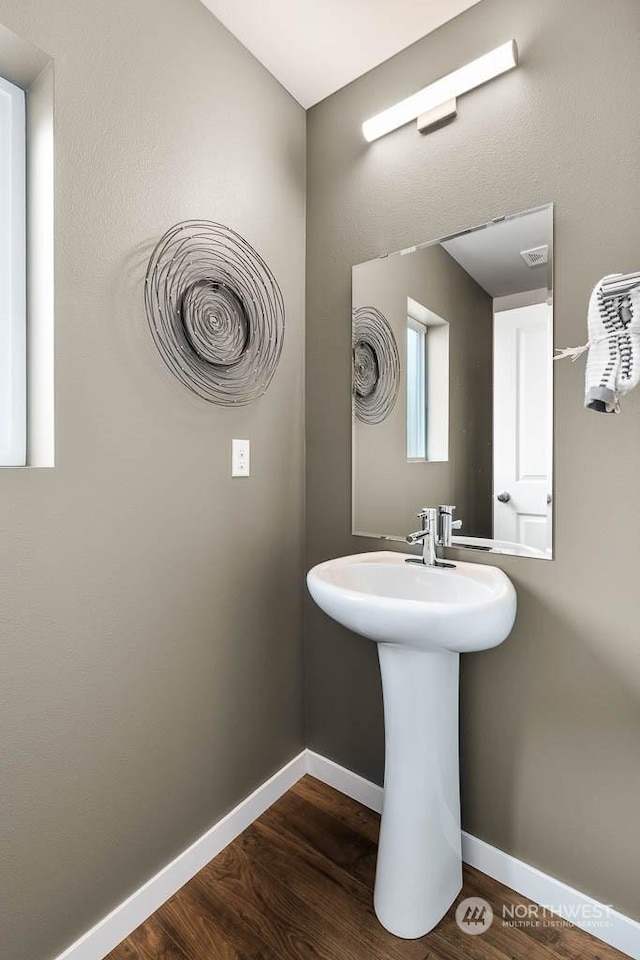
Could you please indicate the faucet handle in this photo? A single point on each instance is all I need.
(445, 510)
(429, 517)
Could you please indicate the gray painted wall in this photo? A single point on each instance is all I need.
(550, 753)
(388, 490)
(151, 605)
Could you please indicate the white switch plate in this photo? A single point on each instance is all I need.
(240, 458)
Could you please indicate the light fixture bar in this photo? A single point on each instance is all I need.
(472, 75)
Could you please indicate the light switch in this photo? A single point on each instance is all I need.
(240, 458)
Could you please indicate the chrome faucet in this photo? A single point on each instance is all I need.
(437, 527)
(428, 536)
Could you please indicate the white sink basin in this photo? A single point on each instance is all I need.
(422, 618)
(380, 596)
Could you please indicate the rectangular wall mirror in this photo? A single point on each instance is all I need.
(452, 344)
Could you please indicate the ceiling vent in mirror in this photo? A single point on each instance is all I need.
(536, 256)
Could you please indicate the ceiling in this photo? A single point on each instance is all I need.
(492, 255)
(315, 47)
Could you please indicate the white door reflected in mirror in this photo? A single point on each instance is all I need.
(522, 410)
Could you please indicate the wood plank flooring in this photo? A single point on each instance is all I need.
(297, 885)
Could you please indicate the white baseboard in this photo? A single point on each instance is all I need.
(116, 926)
(351, 784)
(623, 932)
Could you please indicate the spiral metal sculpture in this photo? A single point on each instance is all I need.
(215, 311)
(376, 365)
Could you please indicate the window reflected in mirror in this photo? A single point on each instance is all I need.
(427, 384)
(416, 390)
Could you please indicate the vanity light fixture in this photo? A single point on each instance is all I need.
(436, 103)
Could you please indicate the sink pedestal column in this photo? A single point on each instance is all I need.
(419, 871)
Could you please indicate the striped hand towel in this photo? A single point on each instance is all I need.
(613, 363)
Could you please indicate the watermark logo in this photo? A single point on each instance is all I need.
(584, 915)
(474, 915)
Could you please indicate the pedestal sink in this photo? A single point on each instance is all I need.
(422, 619)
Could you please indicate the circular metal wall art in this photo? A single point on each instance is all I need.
(215, 311)
(376, 365)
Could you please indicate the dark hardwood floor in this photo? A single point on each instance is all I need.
(297, 885)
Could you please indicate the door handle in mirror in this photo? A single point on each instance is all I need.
(503, 497)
